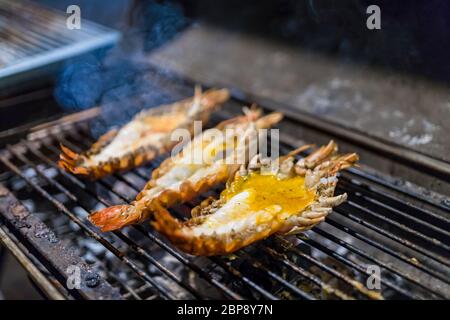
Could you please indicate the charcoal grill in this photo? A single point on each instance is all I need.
(395, 228)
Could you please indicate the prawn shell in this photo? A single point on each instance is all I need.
(127, 162)
(319, 169)
(76, 163)
(189, 190)
(109, 219)
(204, 245)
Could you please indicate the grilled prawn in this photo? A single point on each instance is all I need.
(180, 178)
(143, 138)
(261, 200)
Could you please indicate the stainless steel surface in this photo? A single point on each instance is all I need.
(45, 244)
(38, 277)
(34, 40)
(402, 111)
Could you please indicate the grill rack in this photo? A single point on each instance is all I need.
(408, 240)
(34, 37)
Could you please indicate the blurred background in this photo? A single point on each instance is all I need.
(316, 55)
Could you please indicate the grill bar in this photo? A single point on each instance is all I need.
(375, 244)
(381, 207)
(137, 189)
(143, 253)
(388, 234)
(35, 273)
(87, 230)
(351, 212)
(395, 287)
(356, 285)
(354, 208)
(138, 291)
(127, 288)
(356, 266)
(153, 261)
(187, 263)
(316, 280)
(374, 260)
(42, 242)
(47, 19)
(139, 249)
(377, 197)
(34, 39)
(120, 235)
(275, 276)
(240, 276)
(380, 203)
(409, 243)
(109, 186)
(28, 37)
(257, 265)
(417, 196)
(128, 198)
(406, 260)
(125, 238)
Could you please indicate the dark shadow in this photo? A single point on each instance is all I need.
(414, 35)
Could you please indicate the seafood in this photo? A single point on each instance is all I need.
(262, 199)
(180, 178)
(143, 138)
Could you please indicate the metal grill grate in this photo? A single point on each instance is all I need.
(407, 240)
(32, 36)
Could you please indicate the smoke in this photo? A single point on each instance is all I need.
(117, 78)
(80, 84)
